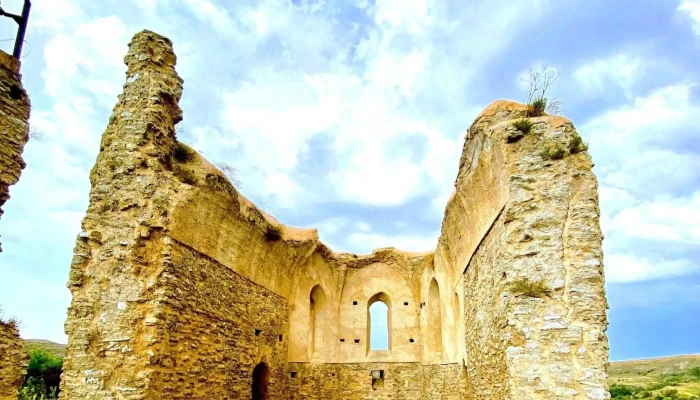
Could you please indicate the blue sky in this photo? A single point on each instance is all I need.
(349, 116)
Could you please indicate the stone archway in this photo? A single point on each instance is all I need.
(261, 382)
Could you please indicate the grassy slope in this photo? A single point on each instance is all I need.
(56, 349)
(650, 371)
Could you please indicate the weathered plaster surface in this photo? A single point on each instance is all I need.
(181, 286)
(14, 125)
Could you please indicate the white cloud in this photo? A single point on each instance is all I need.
(692, 8)
(675, 220)
(624, 268)
(623, 70)
(413, 243)
(641, 147)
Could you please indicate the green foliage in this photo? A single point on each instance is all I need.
(523, 125)
(182, 153)
(273, 232)
(576, 145)
(43, 376)
(621, 390)
(537, 107)
(662, 389)
(529, 288)
(556, 153)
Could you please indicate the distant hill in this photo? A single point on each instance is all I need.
(658, 376)
(54, 348)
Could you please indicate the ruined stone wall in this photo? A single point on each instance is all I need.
(14, 125)
(181, 286)
(14, 360)
(220, 325)
(544, 342)
(355, 381)
(116, 335)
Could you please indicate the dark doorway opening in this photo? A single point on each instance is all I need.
(261, 381)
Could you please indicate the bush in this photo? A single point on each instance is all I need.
(557, 153)
(182, 153)
(529, 288)
(43, 377)
(273, 232)
(537, 108)
(523, 125)
(576, 145)
(620, 390)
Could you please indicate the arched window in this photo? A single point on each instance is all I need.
(434, 319)
(379, 323)
(261, 381)
(317, 307)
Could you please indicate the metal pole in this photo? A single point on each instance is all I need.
(24, 19)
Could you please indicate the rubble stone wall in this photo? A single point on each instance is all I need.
(535, 315)
(14, 360)
(355, 381)
(14, 125)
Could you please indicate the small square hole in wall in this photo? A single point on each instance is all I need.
(354, 303)
(258, 332)
(280, 338)
(378, 379)
(405, 303)
(357, 340)
(342, 340)
(411, 340)
(293, 374)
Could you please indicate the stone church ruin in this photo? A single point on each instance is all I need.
(183, 289)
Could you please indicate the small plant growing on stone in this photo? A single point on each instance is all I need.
(230, 172)
(523, 125)
(537, 107)
(576, 145)
(273, 233)
(182, 153)
(529, 288)
(556, 153)
(540, 82)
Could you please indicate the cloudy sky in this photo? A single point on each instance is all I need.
(349, 116)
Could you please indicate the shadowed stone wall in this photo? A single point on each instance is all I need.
(14, 360)
(14, 125)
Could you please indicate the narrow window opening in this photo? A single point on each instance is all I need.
(405, 303)
(317, 308)
(379, 326)
(354, 303)
(411, 340)
(258, 332)
(342, 340)
(378, 379)
(434, 319)
(280, 338)
(293, 374)
(357, 340)
(261, 381)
